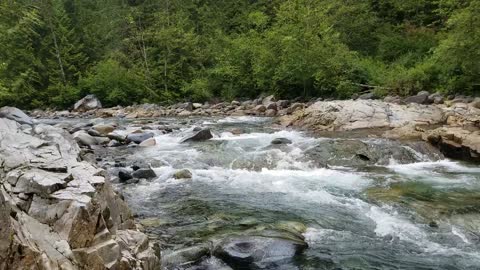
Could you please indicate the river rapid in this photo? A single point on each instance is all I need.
(416, 213)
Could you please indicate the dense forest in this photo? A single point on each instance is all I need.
(52, 52)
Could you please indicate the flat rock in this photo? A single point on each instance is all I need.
(15, 114)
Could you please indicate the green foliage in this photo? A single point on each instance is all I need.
(54, 51)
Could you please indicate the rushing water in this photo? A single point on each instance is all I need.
(423, 215)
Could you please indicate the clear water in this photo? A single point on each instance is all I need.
(378, 217)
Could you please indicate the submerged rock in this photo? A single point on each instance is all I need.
(281, 141)
(258, 252)
(198, 136)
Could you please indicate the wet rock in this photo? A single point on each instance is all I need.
(281, 141)
(148, 142)
(146, 173)
(456, 142)
(15, 114)
(237, 131)
(198, 136)
(184, 256)
(139, 137)
(89, 102)
(182, 174)
(124, 175)
(258, 252)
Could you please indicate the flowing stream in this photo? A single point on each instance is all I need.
(419, 215)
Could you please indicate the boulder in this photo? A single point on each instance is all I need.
(124, 175)
(182, 174)
(198, 136)
(271, 106)
(89, 102)
(189, 255)
(139, 137)
(146, 173)
(367, 96)
(456, 142)
(104, 130)
(15, 114)
(420, 98)
(283, 104)
(270, 113)
(295, 107)
(84, 139)
(476, 103)
(267, 100)
(260, 108)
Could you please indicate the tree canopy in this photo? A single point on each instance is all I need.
(52, 52)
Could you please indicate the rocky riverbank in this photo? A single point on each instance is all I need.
(58, 211)
(454, 129)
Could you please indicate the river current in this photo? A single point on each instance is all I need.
(420, 215)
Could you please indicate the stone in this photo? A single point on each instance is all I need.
(185, 113)
(104, 130)
(237, 131)
(271, 106)
(189, 255)
(281, 141)
(198, 136)
(182, 174)
(146, 173)
(295, 107)
(117, 137)
(267, 100)
(139, 137)
(114, 143)
(476, 103)
(270, 113)
(283, 104)
(260, 108)
(89, 102)
(84, 139)
(367, 96)
(15, 114)
(124, 175)
(420, 98)
(456, 142)
(148, 142)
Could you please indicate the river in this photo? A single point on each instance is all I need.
(388, 215)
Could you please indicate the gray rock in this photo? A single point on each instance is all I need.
(146, 173)
(267, 100)
(124, 175)
(420, 98)
(185, 256)
(281, 141)
(139, 137)
(283, 103)
(89, 102)
(270, 113)
(148, 142)
(272, 106)
(198, 136)
(476, 103)
(15, 114)
(260, 108)
(84, 139)
(367, 96)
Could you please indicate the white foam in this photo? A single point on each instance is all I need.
(392, 224)
(244, 119)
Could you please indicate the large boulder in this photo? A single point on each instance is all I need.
(15, 114)
(89, 102)
(58, 212)
(198, 136)
(138, 138)
(420, 98)
(456, 142)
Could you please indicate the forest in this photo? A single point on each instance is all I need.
(52, 52)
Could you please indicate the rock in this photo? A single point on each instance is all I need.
(185, 113)
(236, 103)
(185, 256)
(267, 100)
(15, 114)
(104, 130)
(198, 136)
(94, 133)
(253, 252)
(271, 106)
(393, 99)
(295, 107)
(260, 108)
(117, 137)
(60, 212)
(476, 103)
(114, 143)
(436, 98)
(420, 98)
(124, 175)
(237, 131)
(281, 141)
(367, 96)
(456, 142)
(182, 174)
(146, 173)
(84, 139)
(270, 113)
(148, 142)
(139, 137)
(89, 102)
(283, 104)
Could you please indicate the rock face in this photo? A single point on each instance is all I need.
(57, 212)
(456, 142)
(89, 102)
(361, 114)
